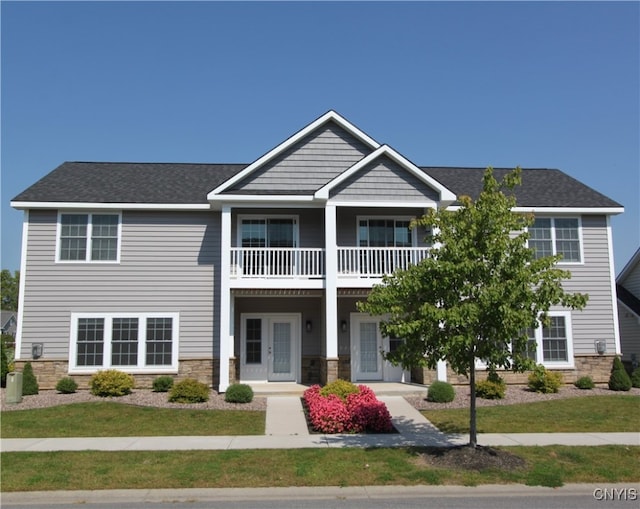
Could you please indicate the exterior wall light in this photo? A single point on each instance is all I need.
(343, 326)
(36, 350)
(308, 326)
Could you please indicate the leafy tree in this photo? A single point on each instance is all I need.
(476, 294)
(10, 287)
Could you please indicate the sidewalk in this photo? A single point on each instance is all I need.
(286, 429)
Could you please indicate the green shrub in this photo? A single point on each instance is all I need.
(584, 382)
(29, 381)
(238, 393)
(111, 383)
(189, 391)
(545, 381)
(635, 378)
(341, 388)
(162, 384)
(67, 385)
(619, 379)
(441, 392)
(490, 389)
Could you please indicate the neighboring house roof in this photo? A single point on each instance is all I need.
(628, 299)
(7, 321)
(629, 267)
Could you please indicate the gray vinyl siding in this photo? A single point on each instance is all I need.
(384, 180)
(596, 320)
(168, 261)
(309, 164)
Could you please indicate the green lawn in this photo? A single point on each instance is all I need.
(107, 419)
(93, 470)
(615, 413)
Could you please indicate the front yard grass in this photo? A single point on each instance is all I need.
(93, 470)
(615, 413)
(107, 419)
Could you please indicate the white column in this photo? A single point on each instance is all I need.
(226, 321)
(441, 372)
(331, 282)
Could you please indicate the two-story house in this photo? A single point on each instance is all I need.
(236, 272)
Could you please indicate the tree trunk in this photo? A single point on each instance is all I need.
(473, 432)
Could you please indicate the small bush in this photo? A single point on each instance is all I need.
(488, 389)
(67, 385)
(29, 381)
(189, 391)
(111, 383)
(584, 382)
(635, 378)
(341, 388)
(544, 381)
(162, 384)
(619, 379)
(238, 393)
(441, 392)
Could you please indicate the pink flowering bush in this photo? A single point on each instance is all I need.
(360, 412)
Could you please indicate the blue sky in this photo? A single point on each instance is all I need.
(543, 84)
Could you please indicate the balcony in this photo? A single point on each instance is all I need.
(353, 263)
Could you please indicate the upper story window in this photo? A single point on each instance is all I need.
(269, 232)
(88, 237)
(384, 233)
(551, 236)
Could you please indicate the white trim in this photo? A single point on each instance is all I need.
(329, 116)
(570, 363)
(331, 282)
(401, 203)
(141, 367)
(263, 198)
(226, 338)
(107, 206)
(87, 257)
(22, 284)
(614, 292)
(445, 194)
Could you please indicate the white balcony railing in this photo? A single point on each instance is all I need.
(309, 263)
(272, 262)
(377, 261)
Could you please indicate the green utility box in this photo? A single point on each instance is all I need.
(14, 388)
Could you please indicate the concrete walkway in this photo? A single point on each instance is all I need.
(286, 429)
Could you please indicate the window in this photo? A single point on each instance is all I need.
(553, 342)
(268, 232)
(254, 341)
(127, 341)
(550, 236)
(88, 237)
(384, 233)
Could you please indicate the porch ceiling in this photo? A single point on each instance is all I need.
(275, 292)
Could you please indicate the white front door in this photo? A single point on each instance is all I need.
(367, 363)
(270, 348)
(366, 343)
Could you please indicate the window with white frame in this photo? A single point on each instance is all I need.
(553, 341)
(551, 236)
(128, 341)
(384, 232)
(89, 237)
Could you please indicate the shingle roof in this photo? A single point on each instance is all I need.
(540, 187)
(86, 182)
(187, 183)
(629, 300)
